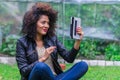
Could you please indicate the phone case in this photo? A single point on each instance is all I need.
(75, 22)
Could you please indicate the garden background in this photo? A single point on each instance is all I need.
(100, 20)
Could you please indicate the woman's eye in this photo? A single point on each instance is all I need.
(43, 22)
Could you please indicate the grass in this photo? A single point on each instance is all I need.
(8, 72)
(101, 73)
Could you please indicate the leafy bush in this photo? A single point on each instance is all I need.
(9, 45)
(112, 51)
(88, 48)
(115, 58)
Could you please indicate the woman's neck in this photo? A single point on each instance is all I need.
(39, 38)
(39, 41)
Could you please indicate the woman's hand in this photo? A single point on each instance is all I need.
(77, 42)
(48, 51)
(80, 32)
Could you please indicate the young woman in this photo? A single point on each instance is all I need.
(37, 51)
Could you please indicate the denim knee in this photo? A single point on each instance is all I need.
(84, 65)
(41, 66)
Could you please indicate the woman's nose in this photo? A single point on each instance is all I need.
(47, 25)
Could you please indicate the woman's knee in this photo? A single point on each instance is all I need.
(84, 65)
(41, 66)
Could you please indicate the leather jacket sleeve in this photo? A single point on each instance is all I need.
(22, 62)
(70, 55)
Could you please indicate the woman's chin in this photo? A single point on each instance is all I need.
(44, 33)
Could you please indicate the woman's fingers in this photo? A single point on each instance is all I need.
(79, 31)
(50, 49)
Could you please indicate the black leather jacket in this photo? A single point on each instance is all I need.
(27, 57)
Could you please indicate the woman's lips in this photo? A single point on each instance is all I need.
(45, 30)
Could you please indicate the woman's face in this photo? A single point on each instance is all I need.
(42, 25)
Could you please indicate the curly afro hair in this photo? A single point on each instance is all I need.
(32, 16)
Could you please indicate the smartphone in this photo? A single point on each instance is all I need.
(75, 22)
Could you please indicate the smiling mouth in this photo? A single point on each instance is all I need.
(45, 30)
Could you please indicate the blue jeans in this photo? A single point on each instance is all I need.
(41, 71)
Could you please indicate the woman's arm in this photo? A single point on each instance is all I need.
(77, 44)
(70, 55)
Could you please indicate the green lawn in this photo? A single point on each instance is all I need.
(102, 73)
(8, 72)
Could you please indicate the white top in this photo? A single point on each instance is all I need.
(41, 52)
